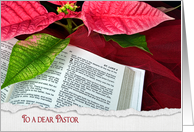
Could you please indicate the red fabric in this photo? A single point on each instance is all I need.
(162, 86)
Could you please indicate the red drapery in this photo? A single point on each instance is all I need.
(162, 86)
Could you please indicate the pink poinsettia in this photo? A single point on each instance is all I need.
(69, 13)
(105, 17)
(24, 17)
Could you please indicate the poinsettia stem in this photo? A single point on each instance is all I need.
(74, 23)
(78, 27)
(69, 24)
(65, 26)
(173, 8)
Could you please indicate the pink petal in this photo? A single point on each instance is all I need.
(24, 17)
(72, 14)
(61, 2)
(120, 17)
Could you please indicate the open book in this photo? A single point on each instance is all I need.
(76, 77)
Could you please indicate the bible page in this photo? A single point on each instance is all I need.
(76, 77)
(90, 81)
(6, 48)
(137, 90)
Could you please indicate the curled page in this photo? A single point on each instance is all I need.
(88, 111)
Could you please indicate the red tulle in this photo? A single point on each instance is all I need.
(162, 86)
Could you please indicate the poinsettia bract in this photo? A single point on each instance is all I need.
(24, 17)
(121, 17)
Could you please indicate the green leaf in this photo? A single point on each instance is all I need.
(32, 57)
(125, 41)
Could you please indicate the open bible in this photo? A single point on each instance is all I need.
(76, 77)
